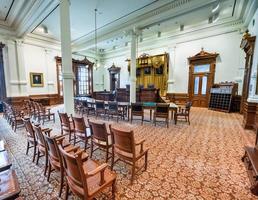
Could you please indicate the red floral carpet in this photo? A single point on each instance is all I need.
(200, 161)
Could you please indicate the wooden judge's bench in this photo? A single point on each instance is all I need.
(123, 95)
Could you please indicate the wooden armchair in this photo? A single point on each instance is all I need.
(41, 144)
(100, 138)
(183, 113)
(31, 138)
(100, 108)
(81, 132)
(113, 110)
(54, 156)
(87, 108)
(16, 118)
(86, 179)
(67, 125)
(45, 114)
(162, 111)
(125, 149)
(137, 110)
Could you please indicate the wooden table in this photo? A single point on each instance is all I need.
(9, 186)
(126, 106)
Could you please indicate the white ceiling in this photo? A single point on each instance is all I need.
(5, 6)
(82, 15)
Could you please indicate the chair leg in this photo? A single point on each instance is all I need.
(66, 191)
(61, 182)
(28, 145)
(106, 155)
(85, 144)
(167, 120)
(112, 158)
(34, 152)
(114, 190)
(142, 119)
(133, 173)
(91, 148)
(49, 171)
(46, 164)
(146, 161)
(38, 155)
(154, 121)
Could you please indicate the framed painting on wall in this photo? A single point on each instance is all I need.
(36, 79)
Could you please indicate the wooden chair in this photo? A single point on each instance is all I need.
(31, 139)
(41, 144)
(161, 111)
(88, 108)
(100, 138)
(125, 149)
(45, 114)
(81, 132)
(16, 119)
(86, 179)
(183, 113)
(100, 108)
(54, 156)
(137, 110)
(67, 125)
(113, 110)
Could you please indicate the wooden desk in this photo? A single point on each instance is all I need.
(9, 186)
(5, 162)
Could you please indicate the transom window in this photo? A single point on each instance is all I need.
(201, 68)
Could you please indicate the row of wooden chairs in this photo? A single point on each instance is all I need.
(162, 111)
(111, 110)
(13, 115)
(38, 111)
(121, 142)
(81, 173)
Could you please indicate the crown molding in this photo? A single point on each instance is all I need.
(172, 40)
(162, 13)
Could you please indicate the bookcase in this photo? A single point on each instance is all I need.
(221, 96)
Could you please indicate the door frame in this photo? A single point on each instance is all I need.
(199, 59)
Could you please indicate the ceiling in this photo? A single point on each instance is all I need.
(83, 16)
(5, 6)
(39, 19)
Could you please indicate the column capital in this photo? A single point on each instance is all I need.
(19, 42)
(62, 1)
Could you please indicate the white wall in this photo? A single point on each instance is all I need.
(230, 63)
(253, 30)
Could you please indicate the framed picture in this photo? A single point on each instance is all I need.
(36, 79)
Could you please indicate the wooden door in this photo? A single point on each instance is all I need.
(201, 77)
(201, 87)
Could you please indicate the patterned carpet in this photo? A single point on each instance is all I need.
(200, 161)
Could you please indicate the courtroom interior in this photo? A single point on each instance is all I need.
(129, 99)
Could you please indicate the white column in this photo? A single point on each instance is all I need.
(66, 56)
(133, 68)
(171, 70)
(22, 81)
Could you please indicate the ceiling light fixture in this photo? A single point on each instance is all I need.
(182, 27)
(159, 34)
(215, 18)
(96, 40)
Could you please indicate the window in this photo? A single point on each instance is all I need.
(201, 68)
(204, 85)
(196, 85)
(83, 80)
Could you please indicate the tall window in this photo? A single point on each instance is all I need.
(83, 72)
(83, 81)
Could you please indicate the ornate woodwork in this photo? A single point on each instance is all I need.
(114, 76)
(2, 76)
(152, 70)
(247, 108)
(198, 96)
(178, 98)
(75, 65)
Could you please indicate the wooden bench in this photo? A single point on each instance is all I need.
(9, 186)
(250, 158)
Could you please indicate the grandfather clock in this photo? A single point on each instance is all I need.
(114, 76)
